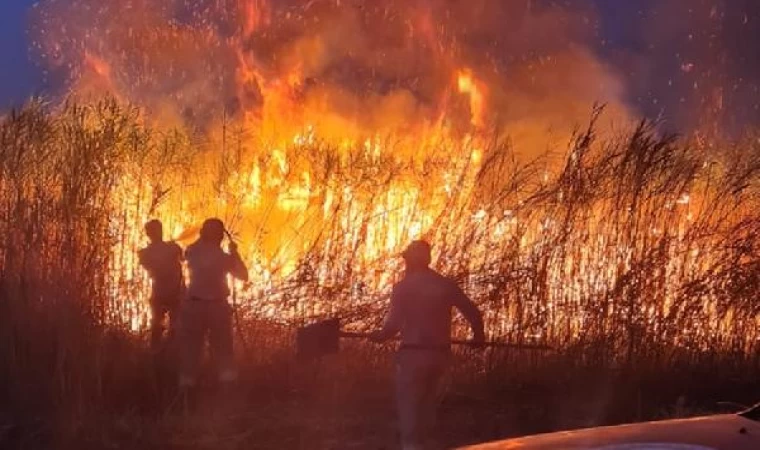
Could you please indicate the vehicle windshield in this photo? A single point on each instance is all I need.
(752, 413)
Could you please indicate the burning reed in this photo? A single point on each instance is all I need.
(636, 252)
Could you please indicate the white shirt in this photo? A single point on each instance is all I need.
(208, 267)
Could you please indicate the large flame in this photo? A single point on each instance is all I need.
(468, 85)
(364, 119)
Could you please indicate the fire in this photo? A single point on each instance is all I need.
(281, 201)
(98, 65)
(468, 85)
(255, 14)
(326, 134)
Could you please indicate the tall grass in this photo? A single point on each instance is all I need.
(637, 254)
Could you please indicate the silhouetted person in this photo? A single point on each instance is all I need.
(420, 310)
(206, 311)
(163, 262)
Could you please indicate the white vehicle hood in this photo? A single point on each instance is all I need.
(721, 432)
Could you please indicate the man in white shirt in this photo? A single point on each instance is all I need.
(163, 262)
(420, 310)
(206, 311)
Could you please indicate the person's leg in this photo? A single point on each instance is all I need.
(157, 314)
(192, 332)
(409, 397)
(172, 311)
(172, 336)
(172, 346)
(434, 370)
(220, 339)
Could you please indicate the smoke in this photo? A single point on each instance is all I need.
(345, 66)
(363, 66)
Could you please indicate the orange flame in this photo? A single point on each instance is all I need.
(469, 85)
(324, 97)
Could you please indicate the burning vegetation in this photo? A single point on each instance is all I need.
(329, 133)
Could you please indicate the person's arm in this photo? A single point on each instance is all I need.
(180, 252)
(393, 321)
(470, 312)
(237, 267)
(144, 259)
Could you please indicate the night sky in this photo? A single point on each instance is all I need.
(647, 41)
(19, 78)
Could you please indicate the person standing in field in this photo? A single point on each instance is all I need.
(207, 311)
(163, 262)
(420, 311)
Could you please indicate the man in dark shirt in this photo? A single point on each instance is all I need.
(420, 311)
(163, 262)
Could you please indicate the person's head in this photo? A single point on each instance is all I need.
(154, 230)
(212, 231)
(417, 255)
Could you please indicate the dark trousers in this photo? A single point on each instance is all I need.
(163, 311)
(418, 382)
(201, 319)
